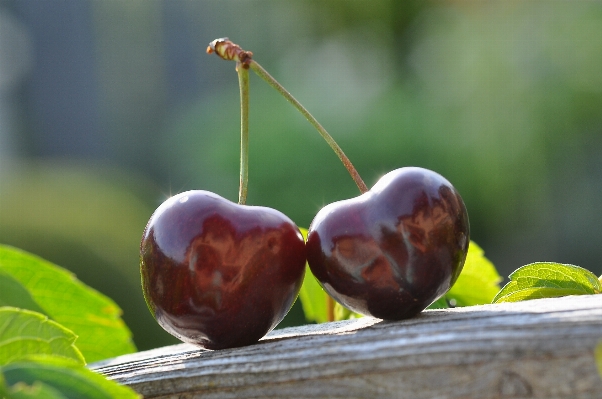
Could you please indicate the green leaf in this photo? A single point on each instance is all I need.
(535, 293)
(94, 317)
(479, 281)
(61, 376)
(598, 357)
(313, 297)
(37, 390)
(548, 280)
(12, 293)
(24, 333)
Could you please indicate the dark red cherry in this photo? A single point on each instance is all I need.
(394, 250)
(218, 274)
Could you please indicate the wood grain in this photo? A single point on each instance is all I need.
(534, 349)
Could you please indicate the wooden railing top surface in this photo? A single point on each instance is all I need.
(534, 349)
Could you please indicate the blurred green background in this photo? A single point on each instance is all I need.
(107, 107)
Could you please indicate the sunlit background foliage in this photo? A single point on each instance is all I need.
(107, 107)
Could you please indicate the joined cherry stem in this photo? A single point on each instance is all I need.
(230, 51)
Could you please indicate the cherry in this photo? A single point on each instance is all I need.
(393, 250)
(219, 274)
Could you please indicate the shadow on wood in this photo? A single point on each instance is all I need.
(541, 348)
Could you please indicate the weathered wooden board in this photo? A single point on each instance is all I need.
(534, 349)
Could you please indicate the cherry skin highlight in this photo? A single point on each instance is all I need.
(218, 274)
(393, 250)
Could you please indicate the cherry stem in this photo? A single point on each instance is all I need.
(243, 82)
(262, 73)
(227, 50)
